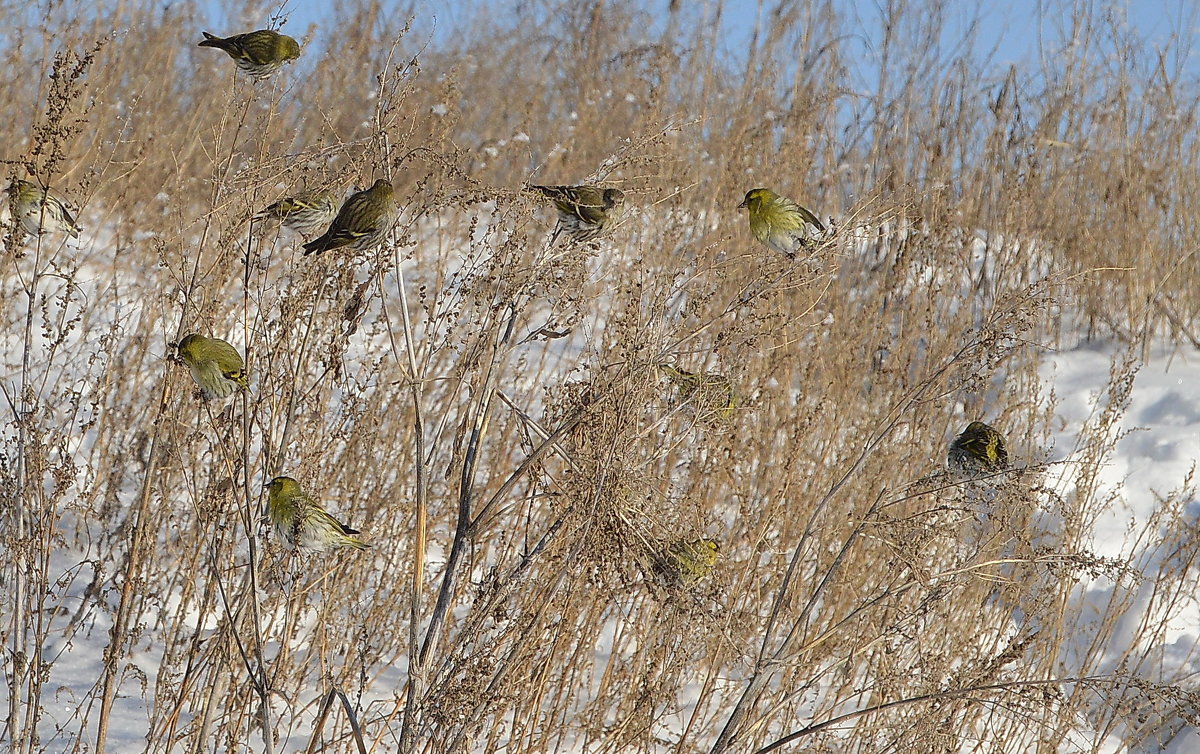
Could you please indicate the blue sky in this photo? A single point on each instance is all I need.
(1008, 31)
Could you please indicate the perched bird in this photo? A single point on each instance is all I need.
(259, 53)
(362, 222)
(302, 523)
(584, 212)
(777, 222)
(36, 210)
(216, 366)
(308, 213)
(979, 449)
(710, 396)
(688, 562)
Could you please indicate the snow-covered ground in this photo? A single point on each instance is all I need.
(1148, 476)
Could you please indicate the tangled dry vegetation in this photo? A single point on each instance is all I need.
(490, 413)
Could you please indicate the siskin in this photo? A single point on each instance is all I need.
(687, 563)
(777, 222)
(308, 214)
(362, 222)
(38, 210)
(711, 396)
(302, 523)
(216, 366)
(584, 212)
(979, 449)
(259, 53)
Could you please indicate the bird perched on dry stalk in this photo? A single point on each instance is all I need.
(779, 223)
(216, 366)
(709, 396)
(259, 53)
(980, 449)
(687, 563)
(584, 212)
(363, 221)
(302, 523)
(308, 213)
(39, 209)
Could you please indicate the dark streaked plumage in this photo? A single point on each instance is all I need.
(308, 213)
(259, 53)
(584, 212)
(708, 396)
(363, 221)
(979, 449)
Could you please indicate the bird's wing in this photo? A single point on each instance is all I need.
(808, 216)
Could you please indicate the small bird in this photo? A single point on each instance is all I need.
(308, 213)
(216, 366)
(688, 562)
(777, 222)
(362, 222)
(259, 53)
(710, 396)
(584, 212)
(302, 523)
(979, 449)
(36, 210)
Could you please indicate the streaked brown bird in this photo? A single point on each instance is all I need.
(363, 221)
(259, 53)
(979, 449)
(709, 397)
(584, 212)
(308, 213)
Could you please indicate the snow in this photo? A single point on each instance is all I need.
(1160, 431)
(1148, 472)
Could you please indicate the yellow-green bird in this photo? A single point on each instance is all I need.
(363, 221)
(979, 449)
(688, 562)
(584, 212)
(710, 396)
(307, 213)
(259, 53)
(216, 366)
(777, 222)
(39, 209)
(302, 523)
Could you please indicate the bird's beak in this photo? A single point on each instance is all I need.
(743, 205)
